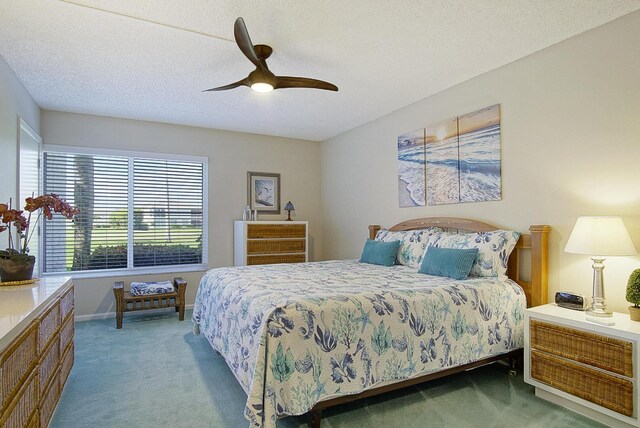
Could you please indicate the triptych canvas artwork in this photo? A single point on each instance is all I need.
(453, 161)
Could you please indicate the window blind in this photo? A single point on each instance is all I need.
(135, 212)
(167, 212)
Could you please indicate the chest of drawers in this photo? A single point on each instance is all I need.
(36, 351)
(267, 242)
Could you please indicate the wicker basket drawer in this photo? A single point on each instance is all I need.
(276, 246)
(66, 334)
(34, 422)
(285, 258)
(49, 363)
(48, 325)
(21, 410)
(65, 365)
(607, 353)
(67, 303)
(49, 399)
(276, 231)
(606, 390)
(16, 362)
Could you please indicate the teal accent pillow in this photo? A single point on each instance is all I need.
(450, 262)
(380, 253)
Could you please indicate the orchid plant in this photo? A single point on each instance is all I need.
(10, 218)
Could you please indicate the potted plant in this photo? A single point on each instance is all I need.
(15, 262)
(633, 295)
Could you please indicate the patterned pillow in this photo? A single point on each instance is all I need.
(493, 247)
(151, 287)
(413, 244)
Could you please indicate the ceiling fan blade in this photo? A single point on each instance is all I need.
(243, 82)
(244, 42)
(303, 82)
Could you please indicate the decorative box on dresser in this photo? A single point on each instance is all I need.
(266, 242)
(590, 368)
(36, 350)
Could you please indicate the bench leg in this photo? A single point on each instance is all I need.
(181, 311)
(118, 292)
(181, 285)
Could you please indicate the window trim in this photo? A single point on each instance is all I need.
(130, 271)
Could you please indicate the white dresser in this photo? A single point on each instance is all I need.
(267, 242)
(36, 350)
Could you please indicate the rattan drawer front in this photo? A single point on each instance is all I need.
(16, 362)
(285, 258)
(268, 246)
(606, 390)
(34, 422)
(48, 325)
(49, 363)
(49, 399)
(607, 353)
(65, 365)
(66, 334)
(276, 231)
(21, 410)
(67, 303)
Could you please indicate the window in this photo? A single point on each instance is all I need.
(137, 211)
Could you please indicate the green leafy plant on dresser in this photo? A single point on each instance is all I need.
(633, 294)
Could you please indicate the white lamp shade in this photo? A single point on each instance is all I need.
(600, 236)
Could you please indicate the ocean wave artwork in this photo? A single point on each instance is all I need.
(443, 175)
(411, 169)
(453, 161)
(480, 156)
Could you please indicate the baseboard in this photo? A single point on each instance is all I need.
(111, 315)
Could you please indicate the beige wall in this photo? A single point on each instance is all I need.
(15, 102)
(570, 147)
(230, 155)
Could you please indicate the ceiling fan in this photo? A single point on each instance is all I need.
(262, 79)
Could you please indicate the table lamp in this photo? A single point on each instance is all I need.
(599, 237)
(289, 208)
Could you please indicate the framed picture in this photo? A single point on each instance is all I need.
(263, 192)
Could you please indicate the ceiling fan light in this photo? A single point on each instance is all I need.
(262, 87)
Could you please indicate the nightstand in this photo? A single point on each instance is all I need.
(586, 367)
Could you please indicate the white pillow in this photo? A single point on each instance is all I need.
(493, 247)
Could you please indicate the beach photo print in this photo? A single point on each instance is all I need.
(411, 164)
(453, 161)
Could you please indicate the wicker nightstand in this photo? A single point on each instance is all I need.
(589, 368)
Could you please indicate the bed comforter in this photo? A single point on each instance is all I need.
(297, 334)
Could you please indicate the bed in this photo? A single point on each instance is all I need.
(303, 337)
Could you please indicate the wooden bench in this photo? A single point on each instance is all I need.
(125, 302)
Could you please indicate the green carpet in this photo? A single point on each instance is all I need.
(155, 372)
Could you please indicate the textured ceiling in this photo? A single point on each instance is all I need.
(150, 60)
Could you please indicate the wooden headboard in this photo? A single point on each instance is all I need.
(536, 243)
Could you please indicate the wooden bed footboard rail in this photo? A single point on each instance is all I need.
(534, 245)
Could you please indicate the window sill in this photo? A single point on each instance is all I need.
(151, 270)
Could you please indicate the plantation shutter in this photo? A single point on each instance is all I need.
(135, 212)
(167, 212)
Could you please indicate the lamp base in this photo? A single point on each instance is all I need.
(600, 320)
(599, 311)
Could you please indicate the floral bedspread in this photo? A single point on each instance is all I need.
(296, 334)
